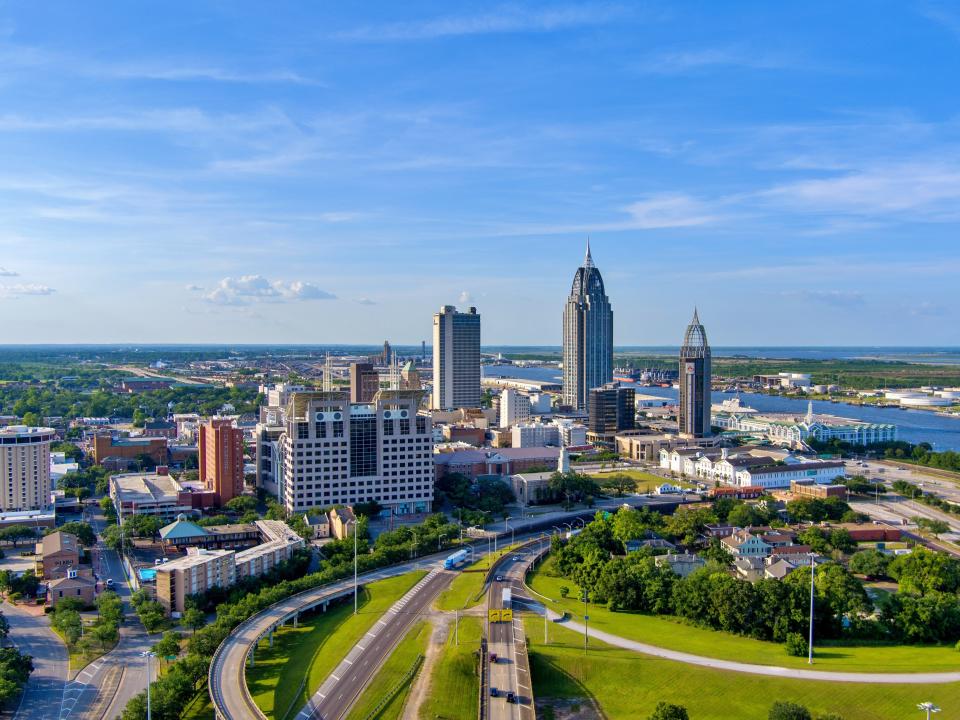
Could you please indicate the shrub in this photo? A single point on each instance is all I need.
(788, 711)
(796, 645)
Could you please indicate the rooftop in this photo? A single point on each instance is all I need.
(145, 487)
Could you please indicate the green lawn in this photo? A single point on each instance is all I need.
(312, 650)
(200, 707)
(629, 685)
(673, 633)
(646, 482)
(455, 682)
(393, 671)
(465, 590)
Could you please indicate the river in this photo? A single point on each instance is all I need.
(914, 426)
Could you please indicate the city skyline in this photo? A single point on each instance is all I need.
(238, 176)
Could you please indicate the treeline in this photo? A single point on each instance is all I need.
(52, 400)
(926, 609)
(185, 677)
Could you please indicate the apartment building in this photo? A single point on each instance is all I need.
(221, 458)
(200, 570)
(25, 468)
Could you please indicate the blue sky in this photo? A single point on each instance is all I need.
(305, 172)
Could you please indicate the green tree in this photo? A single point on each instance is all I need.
(745, 515)
(934, 527)
(106, 505)
(782, 710)
(667, 711)
(194, 618)
(169, 645)
(32, 419)
(69, 624)
(241, 504)
(16, 533)
(796, 645)
(871, 563)
(923, 571)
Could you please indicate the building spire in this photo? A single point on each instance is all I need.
(696, 316)
(588, 260)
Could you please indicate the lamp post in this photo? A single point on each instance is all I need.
(354, 522)
(586, 620)
(929, 707)
(147, 654)
(813, 572)
(439, 538)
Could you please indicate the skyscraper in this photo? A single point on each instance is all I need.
(587, 336)
(221, 458)
(611, 410)
(364, 382)
(456, 359)
(693, 414)
(25, 467)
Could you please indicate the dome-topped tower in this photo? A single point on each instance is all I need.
(693, 412)
(587, 335)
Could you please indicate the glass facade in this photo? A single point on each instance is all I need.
(587, 336)
(693, 409)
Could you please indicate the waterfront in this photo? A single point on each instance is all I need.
(914, 426)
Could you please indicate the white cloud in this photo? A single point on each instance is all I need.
(673, 63)
(173, 72)
(837, 298)
(13, 291)
(504, 20)
(193, 288)
(8, 273)
(465, 297)
(256, 288)
(668, 210)
(927, 309)
(365, 301)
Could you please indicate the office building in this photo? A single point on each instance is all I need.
(530, 435)
(267, 434)
(221, 458)
(155, 493)
(336, 452)
(587, 336)
(25, 468)
(693, 409)
(364, 382)
(121, 453)
(514, 408)
(456, 359)
(572, 434)
(610, 411)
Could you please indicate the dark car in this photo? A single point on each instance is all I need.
(499, 578)
(493, 692)
(493, 657)
(511, 698)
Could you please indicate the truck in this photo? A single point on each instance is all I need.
(507, 597)
(455, 560)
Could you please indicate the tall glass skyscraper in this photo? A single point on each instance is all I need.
(587, 336)
(693, 414)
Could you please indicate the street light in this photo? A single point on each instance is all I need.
(929, 707)
(813, 568)
(354, 522)
(147, 654)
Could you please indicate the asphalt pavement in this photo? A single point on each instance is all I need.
(44, 693)
(336, 696)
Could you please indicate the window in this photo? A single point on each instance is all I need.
(303, 430)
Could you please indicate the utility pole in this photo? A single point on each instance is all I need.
(586, 620)
(813, 568)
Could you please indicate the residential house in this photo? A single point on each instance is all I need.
(683, 564)
(744, 544)
(72, 585)
(59, 552)
(340, 518)
(320, 524)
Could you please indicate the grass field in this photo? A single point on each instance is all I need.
(200, 707)
(311, 651)
(455, 683)
(79, 658)
(390, 674)
(674, 634)
(629, 685)
(465, 588)
(646, 482)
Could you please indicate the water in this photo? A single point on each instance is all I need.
(914, 426)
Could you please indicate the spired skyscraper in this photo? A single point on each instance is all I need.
(693, 414)
(587, 336)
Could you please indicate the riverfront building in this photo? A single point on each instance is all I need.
(587, 336)
(693, 410)
(25, 468)
(456, 359)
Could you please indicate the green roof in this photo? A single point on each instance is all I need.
(181, 528)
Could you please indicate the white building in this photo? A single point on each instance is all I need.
(456, 359)
(25, 468)
(572, 434)
(155, 493)
(785, 429)
(529, 435)
(540, 403)
(59, 467)
(748, 467)
(514, 408)
(335, 452)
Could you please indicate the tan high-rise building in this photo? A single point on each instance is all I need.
(25, 468)
(221, 458)
(364, 382)
(456, 359)
(198, 571)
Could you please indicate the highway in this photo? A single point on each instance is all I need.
(227, 681)
(340, 690)
(511, 671)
